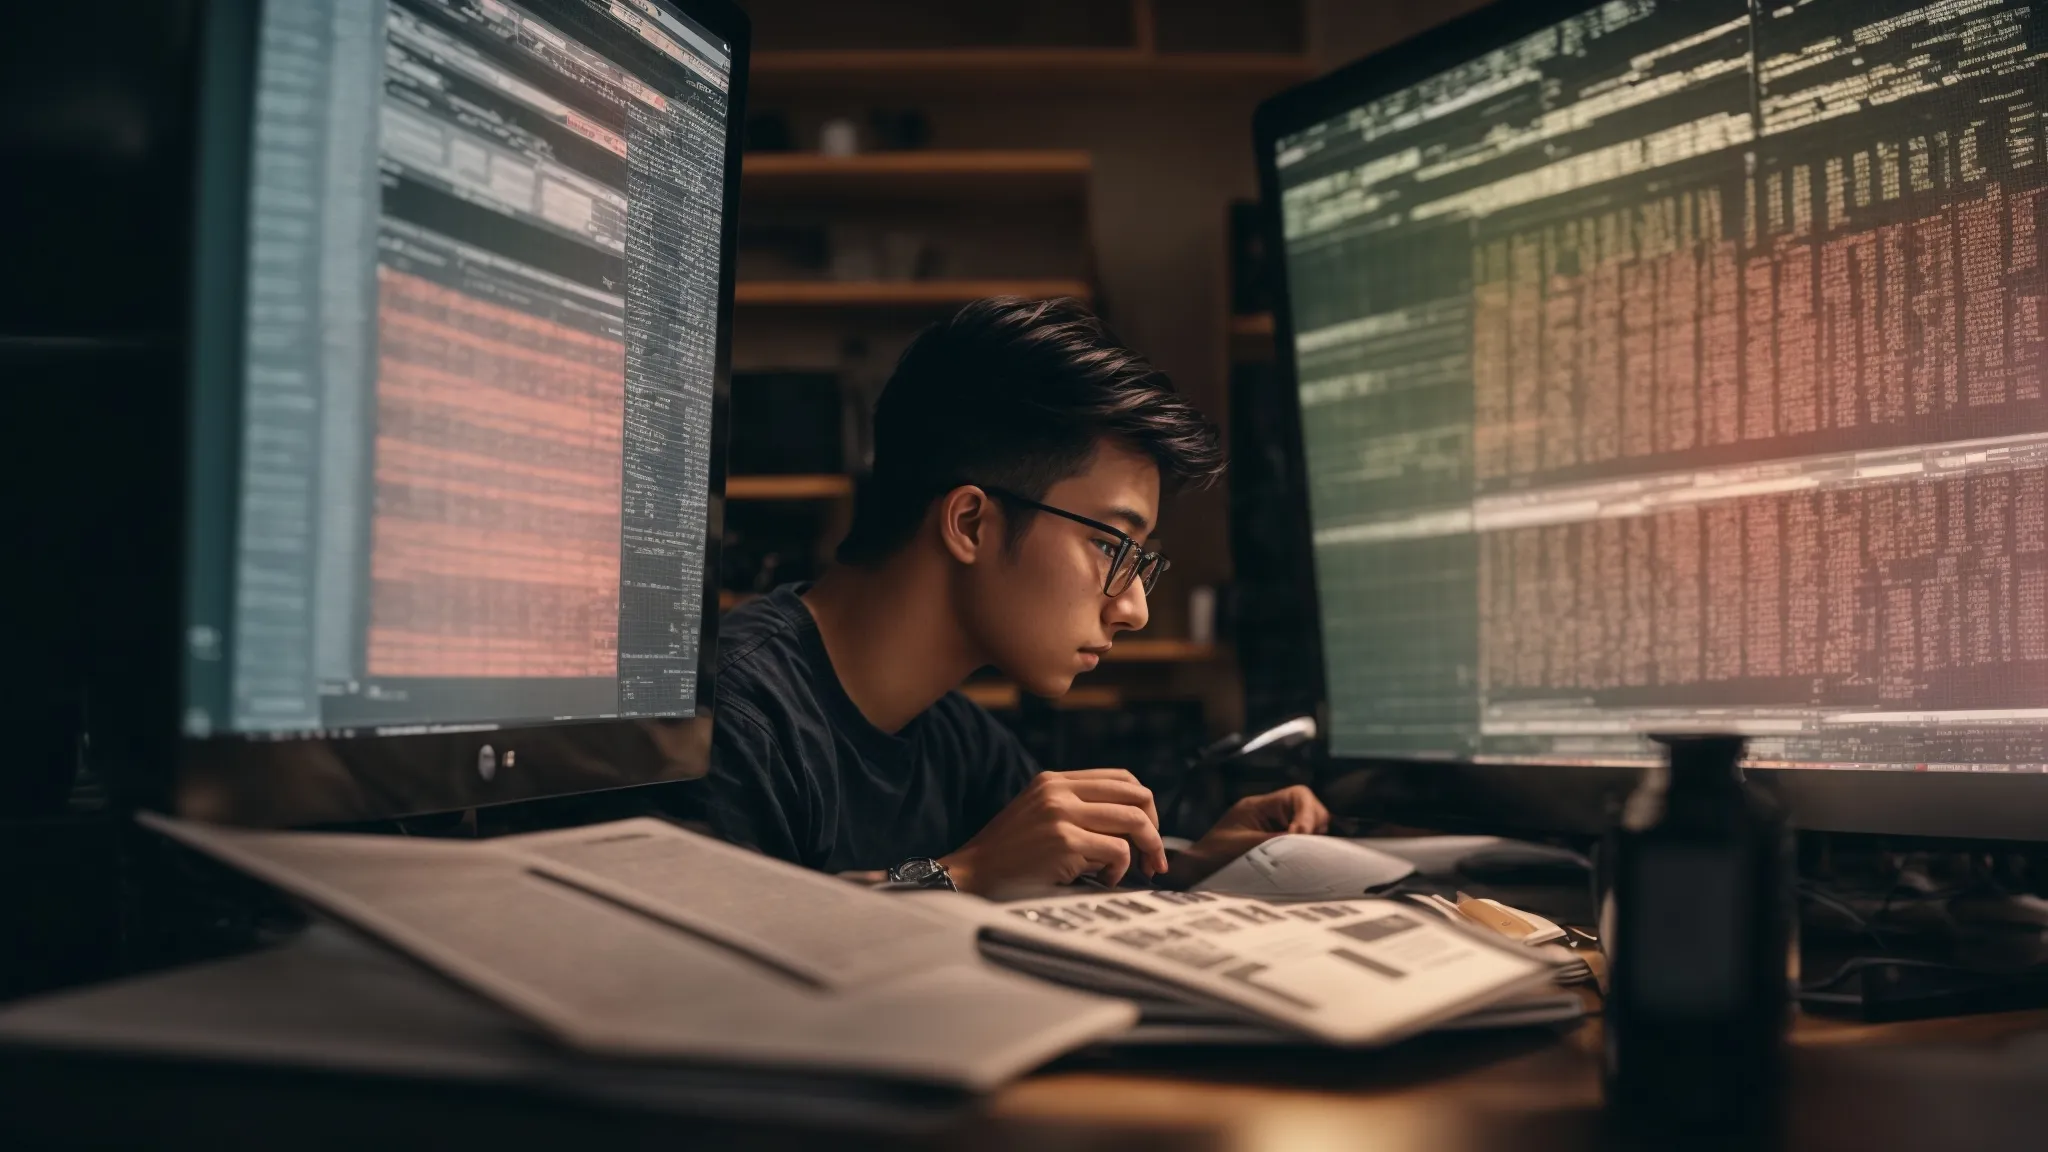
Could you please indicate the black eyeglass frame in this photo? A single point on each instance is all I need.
(1149, 566)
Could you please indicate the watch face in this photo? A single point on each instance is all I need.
(917, 871)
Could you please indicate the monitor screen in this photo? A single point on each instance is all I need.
(1679, 365)
(458, 471)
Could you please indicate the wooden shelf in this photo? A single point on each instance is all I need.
(1003, 696)
(896, 293)
(1010, 175)
(1251, 338)
(818, 487)
(1034, 68)
(729, 599)
(1160, 651)
(994, 695)
(1091, 696)
(1258, 324)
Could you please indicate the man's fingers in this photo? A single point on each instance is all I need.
(1098, 774)
(1116, 808)
(1108, 857)
(1308, 813)
(1129, 823)
(1109, 786)
(1268, 812)
(1291, 809)
(1102, 790)
(1318, 815)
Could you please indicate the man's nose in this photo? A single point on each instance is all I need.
(1128, 609)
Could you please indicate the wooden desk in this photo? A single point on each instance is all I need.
(1923, 1085)
(1971, 1084)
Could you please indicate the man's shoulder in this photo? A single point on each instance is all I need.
(764, 622)
(763, 662)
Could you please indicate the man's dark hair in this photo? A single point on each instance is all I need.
(1016, 394)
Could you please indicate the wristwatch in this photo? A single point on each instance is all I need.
(921, 872)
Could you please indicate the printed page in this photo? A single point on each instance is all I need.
(834, 932)
(567, 951)
(1346, 971)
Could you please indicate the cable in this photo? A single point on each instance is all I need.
(1857, 964)
(1863, 925)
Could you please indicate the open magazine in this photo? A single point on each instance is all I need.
(1351, 972)
(639, 941)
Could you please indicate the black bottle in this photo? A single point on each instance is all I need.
(1695, 921)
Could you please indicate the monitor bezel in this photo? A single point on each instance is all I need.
(333, 779)
(1462, 793)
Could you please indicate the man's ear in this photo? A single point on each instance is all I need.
(968, 523)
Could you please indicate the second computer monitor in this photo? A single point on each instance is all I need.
(1677, 365)
(453, 461)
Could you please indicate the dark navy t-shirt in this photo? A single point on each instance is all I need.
(798, 772)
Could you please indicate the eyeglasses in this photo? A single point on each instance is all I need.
(1127, 561)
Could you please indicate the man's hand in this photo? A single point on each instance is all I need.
(1250, 822)
(1294, 809)
(1063, 826)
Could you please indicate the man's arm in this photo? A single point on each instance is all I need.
(1061, 827)
(1055, 827)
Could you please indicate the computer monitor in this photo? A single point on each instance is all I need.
(1668, 366)
(455, 445)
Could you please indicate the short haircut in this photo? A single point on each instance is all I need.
(1016, 394)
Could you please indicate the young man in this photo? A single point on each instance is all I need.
(1021, 454)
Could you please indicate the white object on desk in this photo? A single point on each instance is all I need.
(1296, 867)
(1568, 967)
(1434, 855)
(1161, 1031)
(1515, 924)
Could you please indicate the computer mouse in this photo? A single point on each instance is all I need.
(1515, 862)
(1301, 867)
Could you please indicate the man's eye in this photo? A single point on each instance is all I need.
(1108, 547)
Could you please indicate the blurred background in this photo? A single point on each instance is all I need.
(905, 156)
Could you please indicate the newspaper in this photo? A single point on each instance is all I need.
(1353, 972)
(639, 941)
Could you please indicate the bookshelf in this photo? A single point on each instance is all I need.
(1084, 164)
(1008, 174)
(823, 486)
(1160, 650)
(1057, 69)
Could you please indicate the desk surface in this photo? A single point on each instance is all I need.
(1955, 1085)
(1946, 1084)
